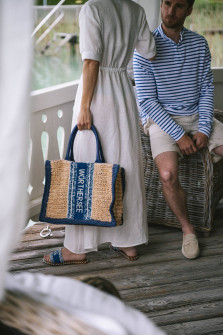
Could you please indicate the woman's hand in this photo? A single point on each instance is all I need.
(84, 120)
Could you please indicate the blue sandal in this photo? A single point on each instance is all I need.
(56, 258)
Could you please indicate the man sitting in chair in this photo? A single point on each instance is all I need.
(175, 94)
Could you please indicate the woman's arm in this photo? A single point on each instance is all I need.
(90, 76)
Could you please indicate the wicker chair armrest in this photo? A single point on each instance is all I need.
(207, 164)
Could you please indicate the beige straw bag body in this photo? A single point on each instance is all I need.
(83, 193)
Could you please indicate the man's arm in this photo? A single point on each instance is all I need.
(150, 106)
(206, 104)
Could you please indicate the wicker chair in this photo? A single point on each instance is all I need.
(201, 180)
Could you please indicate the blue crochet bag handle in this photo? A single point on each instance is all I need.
(99, 153)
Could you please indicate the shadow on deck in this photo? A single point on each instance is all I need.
(179, 295)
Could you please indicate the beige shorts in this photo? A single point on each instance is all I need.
(162, 142)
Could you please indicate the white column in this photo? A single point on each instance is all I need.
(15, 65)
(152, 9)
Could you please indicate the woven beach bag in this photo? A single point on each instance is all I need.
(83, 193)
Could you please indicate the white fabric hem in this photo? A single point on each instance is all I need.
(90, 55)
(95, 248)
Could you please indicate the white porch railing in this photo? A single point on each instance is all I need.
(50, 128)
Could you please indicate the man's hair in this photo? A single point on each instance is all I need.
(190, 3)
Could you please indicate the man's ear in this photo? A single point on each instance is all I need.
(189, 11)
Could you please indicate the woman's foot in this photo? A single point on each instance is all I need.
(128, 252)
(65, 256)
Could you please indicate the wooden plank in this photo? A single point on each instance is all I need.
(148, 292)
(149, 281)
(29, 253)
(179, 294)
(190, 313)
(32, 234)
(36, 236)
(37, 227)
(39, 244)
(182, 296)
(156, 242)
(22, 256)
(214, 296)
(205, 327)
(150, 254)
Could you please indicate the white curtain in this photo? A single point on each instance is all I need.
(15, 65)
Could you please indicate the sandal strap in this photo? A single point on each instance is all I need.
(56, 257)
(121, 252)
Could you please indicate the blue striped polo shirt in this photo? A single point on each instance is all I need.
(178, 83)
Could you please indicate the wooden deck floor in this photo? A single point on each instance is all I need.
(181, 296)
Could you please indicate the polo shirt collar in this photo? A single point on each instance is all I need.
(160, 29)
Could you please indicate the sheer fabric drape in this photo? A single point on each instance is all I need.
(15, 61)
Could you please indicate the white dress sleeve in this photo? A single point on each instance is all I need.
(90, 34)
(145, 45)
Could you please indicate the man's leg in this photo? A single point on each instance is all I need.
(167, 164)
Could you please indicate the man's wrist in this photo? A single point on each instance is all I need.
(179, 135)
(205, 127)
(206, 132)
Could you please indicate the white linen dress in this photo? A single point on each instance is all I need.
(110, 30)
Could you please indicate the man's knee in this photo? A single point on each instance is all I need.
(167, 164)
(168, 177)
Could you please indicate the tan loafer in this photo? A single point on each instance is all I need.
(190, 248)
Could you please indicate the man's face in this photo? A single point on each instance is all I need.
(174, 12)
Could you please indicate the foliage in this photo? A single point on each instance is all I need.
(212, 4)
(207, 21)
(207, 18)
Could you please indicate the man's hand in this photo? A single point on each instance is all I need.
(186, 145)
(200, 140)
(84, 120)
